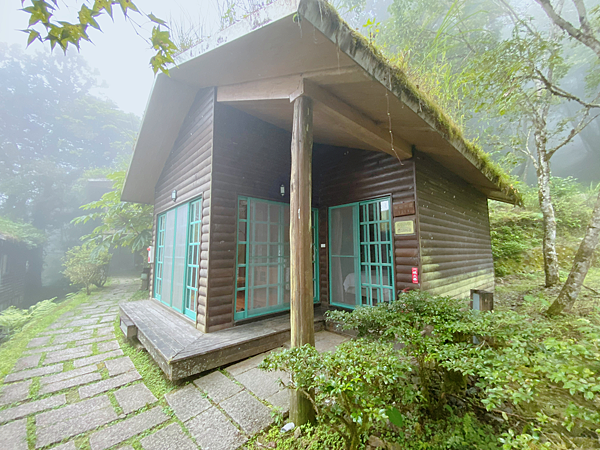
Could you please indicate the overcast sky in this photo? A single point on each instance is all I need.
(119, 54)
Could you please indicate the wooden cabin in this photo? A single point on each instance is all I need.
(385, 195)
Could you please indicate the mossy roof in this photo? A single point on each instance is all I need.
(20, 232)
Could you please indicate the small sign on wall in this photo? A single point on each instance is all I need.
(415, 275)
(404, 227)
(404, 209)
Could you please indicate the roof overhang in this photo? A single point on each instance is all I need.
(300, 47)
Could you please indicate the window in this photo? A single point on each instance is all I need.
(263, 257)
(361, 250)
(177, 259)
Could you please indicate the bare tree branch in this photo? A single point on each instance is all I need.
(586, 38)
(574, 132)
(559, 92)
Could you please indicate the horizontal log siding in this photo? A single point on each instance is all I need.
(350, 175)
(251, 158)
(456, 251)
(188, 170)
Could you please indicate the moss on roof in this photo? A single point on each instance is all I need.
(406, 90)
(21, 232)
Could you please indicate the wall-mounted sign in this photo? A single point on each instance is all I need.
(404, 209)
(404, 227)
(415, 275)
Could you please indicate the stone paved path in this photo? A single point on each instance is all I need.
(73, 389)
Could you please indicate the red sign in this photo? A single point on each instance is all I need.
(415, 275)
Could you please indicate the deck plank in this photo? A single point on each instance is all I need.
(181, 350)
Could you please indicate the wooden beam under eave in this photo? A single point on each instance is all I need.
(354, 122)
(268, 89)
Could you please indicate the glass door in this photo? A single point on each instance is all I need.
(177, 259)
(263, 258)
(361, 253)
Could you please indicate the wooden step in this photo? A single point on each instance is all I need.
(127, 326)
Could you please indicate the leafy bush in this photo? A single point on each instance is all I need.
(352, 387)
(87, 265)
(14, 319)
(425, 360)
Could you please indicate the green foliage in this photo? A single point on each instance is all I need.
(13, 349)
(21, 232)
(352, 386)
(516, 232)
(317, 437)
(123, 224)
(87, 265)
(63, 33)
(13, 319)
(540, 376)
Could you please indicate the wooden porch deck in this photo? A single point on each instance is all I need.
(181, 350)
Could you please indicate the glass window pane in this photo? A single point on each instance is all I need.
(342, 231)
(243, 209)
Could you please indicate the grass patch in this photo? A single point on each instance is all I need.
(11, 350)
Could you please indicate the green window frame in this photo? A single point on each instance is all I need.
(160, 255)
(372, 255)
(184, 256)
(194, 240)
(246, 263)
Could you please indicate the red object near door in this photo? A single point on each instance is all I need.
(415, 275)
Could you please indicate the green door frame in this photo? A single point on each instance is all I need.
(263, 311)
(158, 254)
(357, 251)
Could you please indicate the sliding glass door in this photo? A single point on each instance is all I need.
(263, 258)
(177, 257)
(361, 251)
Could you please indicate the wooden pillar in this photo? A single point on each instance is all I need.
(301, 283)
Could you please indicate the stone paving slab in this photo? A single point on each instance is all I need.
(97, 358)
(248, 364)
(69, 351)
(73, 420)
(76, 353)
(170, 437)
(108, 318)
(122, 431)
(262, 384)
(55, 331)
(108, 346)
(104, 337)
(52, 348)
(39, 342)
(248, 412)
(16, 392)
(213, 431)
(27, 409)
(93, 327)
(68, 374)
(24, 374)
(71, 382)
(28, 362)
(67, 446)
(119, 366)
(218, 386)
(13, 436)
(105, 331)
(70, 337)
(110, 383)
(82, 322)
(281, 400)
(132, 398)
(187, 402)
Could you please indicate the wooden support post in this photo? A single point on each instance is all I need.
(301, 283)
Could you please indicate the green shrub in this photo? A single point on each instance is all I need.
(87, 265)
(353, 386)
(14, 319)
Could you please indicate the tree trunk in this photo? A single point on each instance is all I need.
(549, 239)
(581, 265)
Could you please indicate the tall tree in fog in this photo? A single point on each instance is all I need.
(510, 64)
(51, 130)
